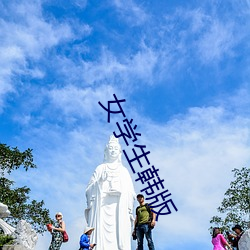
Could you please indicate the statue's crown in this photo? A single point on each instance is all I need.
(113, 139)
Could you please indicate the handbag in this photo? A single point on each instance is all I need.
(49, 227)
(65, 236)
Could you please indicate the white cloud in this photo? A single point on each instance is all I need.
(80, 3)
(201, 34)
(25, 35)
(31, 33)
(122, 71)
(143, 63)
(217, 42)
(198, 19)
(105, 69)
(80, 102)
(240, 100)
(131, 12)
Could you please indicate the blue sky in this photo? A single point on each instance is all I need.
(183, 68)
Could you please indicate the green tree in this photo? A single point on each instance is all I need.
(235, 206)
(17, 199)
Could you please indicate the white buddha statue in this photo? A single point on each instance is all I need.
(4, 212)
(25, 237)
(110, 197)
(244, 242)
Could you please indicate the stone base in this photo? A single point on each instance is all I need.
(13, 247)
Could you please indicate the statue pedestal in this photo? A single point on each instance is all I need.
(13, 247)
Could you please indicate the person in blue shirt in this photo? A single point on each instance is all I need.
(85, 239)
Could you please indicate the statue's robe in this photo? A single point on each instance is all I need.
(110, 198)
(244, 242)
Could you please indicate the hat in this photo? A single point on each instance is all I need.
(140, 195)
(59, 213)
(237, 227)
(88, 229)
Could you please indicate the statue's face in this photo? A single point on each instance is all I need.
(113, 150)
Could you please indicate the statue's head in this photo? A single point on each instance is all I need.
(112, 150)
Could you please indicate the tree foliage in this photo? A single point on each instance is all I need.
(235, 206)
(13, 158)
(17, 199)
(6, 239)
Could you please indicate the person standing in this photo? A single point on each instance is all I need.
(142, 226)
(56, 231)
(218, 240)
(238, 230)
(85, 239)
